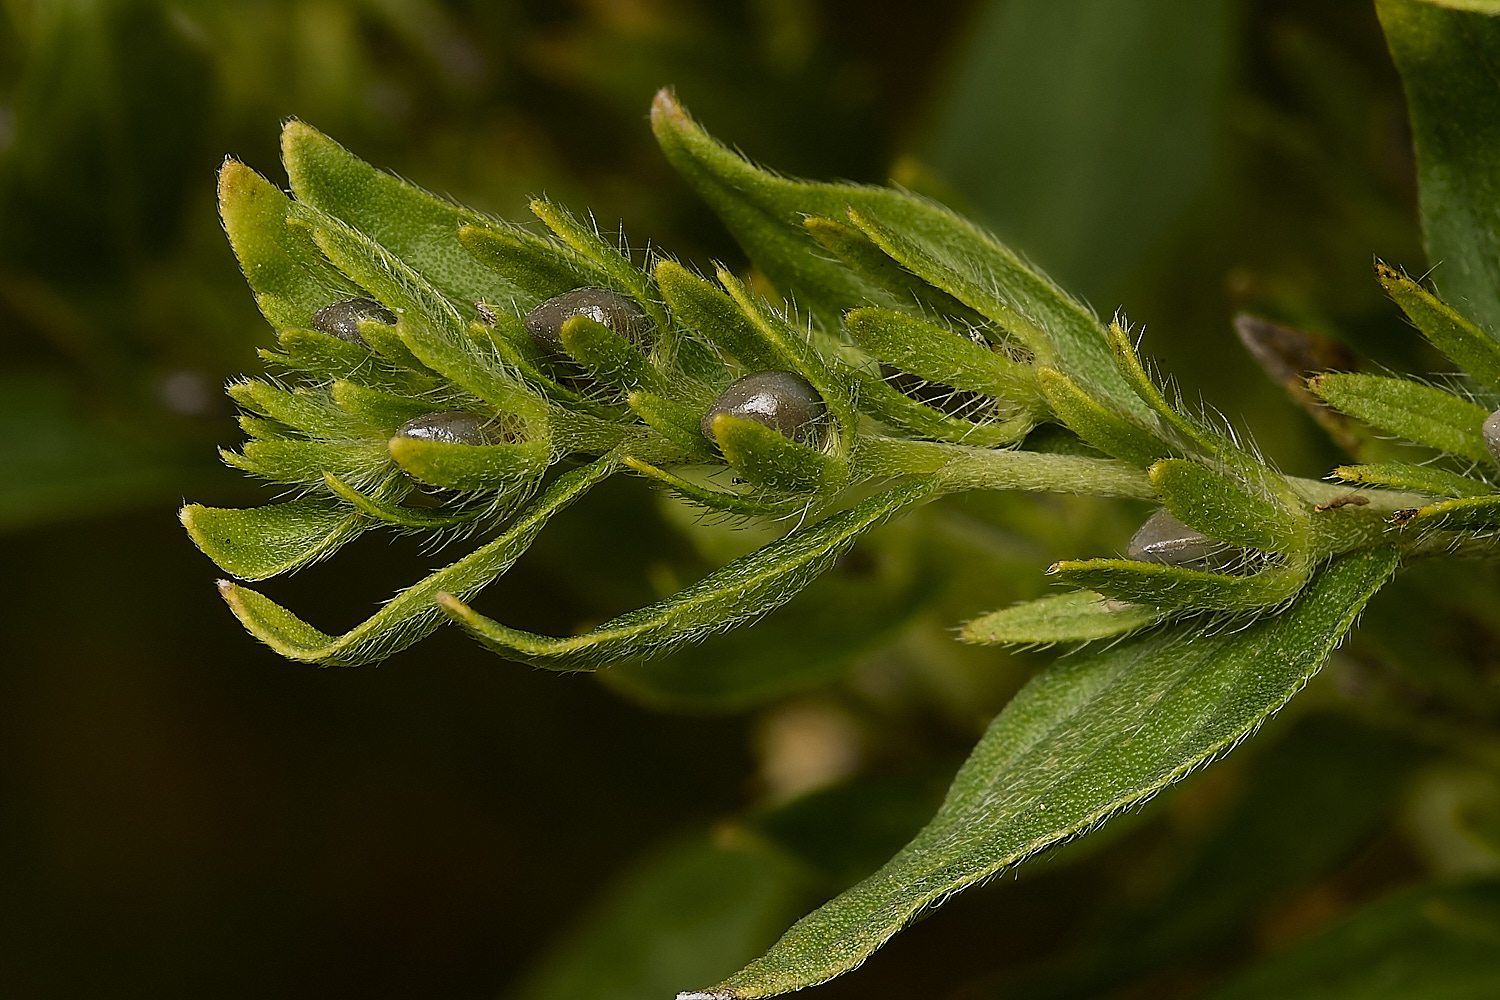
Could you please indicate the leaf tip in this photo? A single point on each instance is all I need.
(708, 996)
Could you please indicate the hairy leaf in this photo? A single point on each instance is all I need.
(413, 613)
(1088, 737)
(262, 542)
(1221, 507)
(1419, 413)
(744, 589)
(1448, 59)
(1420, 478)
(1074, 617)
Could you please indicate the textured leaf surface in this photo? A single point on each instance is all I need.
(1418, 413)
(261, 542)
(744, 589)
(1448, 61)
(1088, 737)
(1444, 327)
(1421, 478)
(1074, 617)
(413, 613)
(1436, 942)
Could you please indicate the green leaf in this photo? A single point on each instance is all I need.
(610, 358)
(1448, 58)
(673, 421)
(747, 588)
(1097, 423)
(765, 213)
(1444, 328)
(384, 411)
(1084, 130)
(382, 510)
(302, 463)
(695, 909)
(313, 414)
(885, 403)
(612, 260)
(1074, 617)
(734, 503)
(1420, 478)
(534, 264)
(1222, 507)
(876, 267)
(1146, 390)
(413, 613)
(454, 466)
(1176, 587)
(937, 354)
(1463, 514)
(263, 542)
(766, 458)
(416, 227)
(1418, 413)
(1437, 942)
(328, 357)
(1091, 735)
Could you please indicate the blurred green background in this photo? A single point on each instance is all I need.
(183, 814)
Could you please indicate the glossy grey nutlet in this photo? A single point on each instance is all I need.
(1491, 431)
(453, 427)
(602, 305)
(341, 319)
(1165, 539)
(962, 403)
(782, 401)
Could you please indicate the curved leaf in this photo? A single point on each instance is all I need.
(744, 589)
(1088, 737)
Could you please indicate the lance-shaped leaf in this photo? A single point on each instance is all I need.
(261, 542)
(609, 357)
(939, 355)
(765, 213)
(1432, 941)
(1223, 508)
(536, 265)
(766, 458)
(744, 505)
(1463, 514)
(1169, 586)
(1074, 617)
(1447, 58)
(472, 466)
(419, 228)
(374, 408)
(673, 421)
(875, 266)
(1419, 478)
(744, 589)
(704, 307)
(1089, 736)
(413, 613)
(1146, 390)
(312, 413)
(1418, 413)
(1444, 328)
(1097, 423)
(612, 260)
(296, 462)
(288, 275)
(327, 357)
(381, 509)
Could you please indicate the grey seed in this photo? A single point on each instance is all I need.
(1491, 431)
(341, 319)
(602, 305)
(782, 401)
(962, 403)
(1165, 539)
(454, 427)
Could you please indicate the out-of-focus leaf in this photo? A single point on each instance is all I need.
(1421, 478)
(1436, 942)
(1447, 58)
(1086, 738)
(695, 909)
(1083, 129)
(59, 463)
